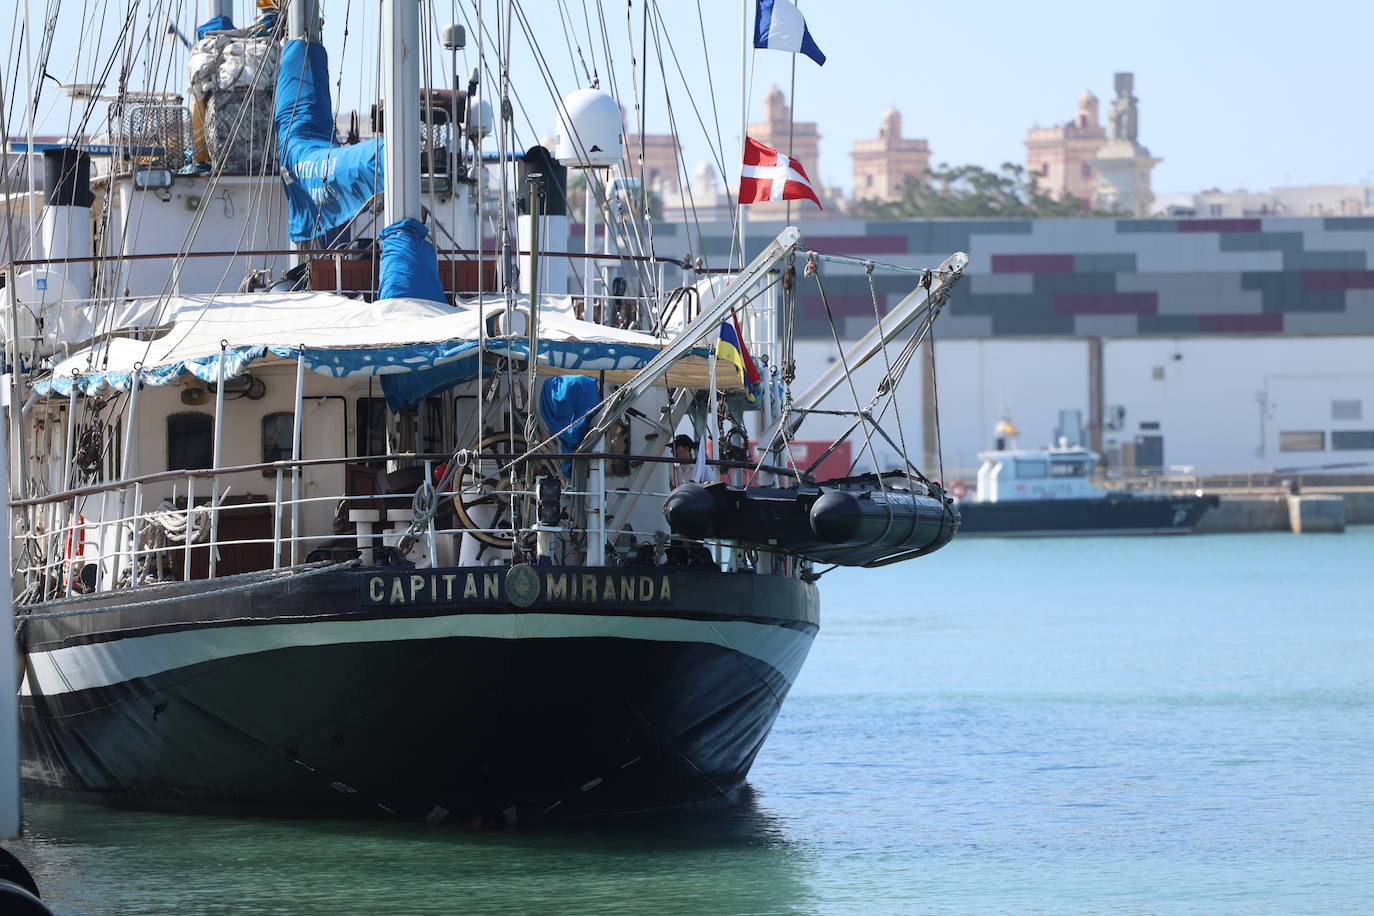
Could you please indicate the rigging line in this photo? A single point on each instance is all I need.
(903, 362)
(844, 361)
(935, 398)
(596, 186)
(642, 102)
(644, 273)
(878, 321)
(188, 238)
(744, 128)
(32, 111)
(792, 118)
(485, 34)
(679, 157)
(591, 47)
(566, 17)
(606, 49)
(719, 147)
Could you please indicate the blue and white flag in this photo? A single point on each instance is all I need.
(780, 26)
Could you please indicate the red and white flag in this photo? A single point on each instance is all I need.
(769, 175)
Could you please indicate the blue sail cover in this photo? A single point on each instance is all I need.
(568, 400)
(327, 184)
(410, 268)
(214, 24)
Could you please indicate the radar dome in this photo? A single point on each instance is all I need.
(589, 130)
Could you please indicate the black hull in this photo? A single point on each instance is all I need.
(1123, 513)
(311, 699)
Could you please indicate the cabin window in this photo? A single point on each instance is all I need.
(190, 441)
(1068, 469)
(370, 435)
(1032, 468)
(372, 418)
(1349, 440)
(278, 429)
(430, 417)
(1302, 441)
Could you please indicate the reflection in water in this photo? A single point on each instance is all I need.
(731, 857)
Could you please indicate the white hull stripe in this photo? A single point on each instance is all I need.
(83, 667)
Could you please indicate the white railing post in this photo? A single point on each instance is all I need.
(126, 466)
(134, 534)
(190, 510)
(276, 523)
(596, 509)
(429, 528)
(100, 540)
(217, 462)
(75, 547)
(297, 424)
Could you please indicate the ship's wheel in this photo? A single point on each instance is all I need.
(490, 482)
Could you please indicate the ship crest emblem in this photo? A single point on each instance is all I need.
(522, 585)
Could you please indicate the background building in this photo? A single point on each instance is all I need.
(1309, 200)
(883, 165)
(1222, 345)
(661, 157)
(1059, 156)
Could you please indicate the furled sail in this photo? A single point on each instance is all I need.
(326, 184)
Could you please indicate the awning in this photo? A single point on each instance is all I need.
(418, 347)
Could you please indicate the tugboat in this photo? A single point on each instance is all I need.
(385, 530)
(1029, 492)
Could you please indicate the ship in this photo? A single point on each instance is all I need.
(341, 483)
(1043, 492)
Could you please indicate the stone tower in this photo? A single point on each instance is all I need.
(774, 130)
(1060, 156)
(882, 165)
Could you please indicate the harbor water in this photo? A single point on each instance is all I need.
(1139, 725)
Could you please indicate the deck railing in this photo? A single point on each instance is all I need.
(55, 541)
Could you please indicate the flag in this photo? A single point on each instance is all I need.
(731, 348)
(780, 26)
(769, 175)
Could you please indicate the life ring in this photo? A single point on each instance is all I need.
(958, 489)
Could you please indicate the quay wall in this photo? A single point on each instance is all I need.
(1309, 511)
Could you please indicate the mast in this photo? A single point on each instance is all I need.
(225, 8)
(303, 22)
(400, 94)
(743, 122)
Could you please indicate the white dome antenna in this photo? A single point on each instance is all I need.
(590, 134)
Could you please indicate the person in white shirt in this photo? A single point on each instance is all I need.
(684, 449)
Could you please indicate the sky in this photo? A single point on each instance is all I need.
(1232, 95)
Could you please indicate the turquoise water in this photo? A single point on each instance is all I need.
(1082, 725)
